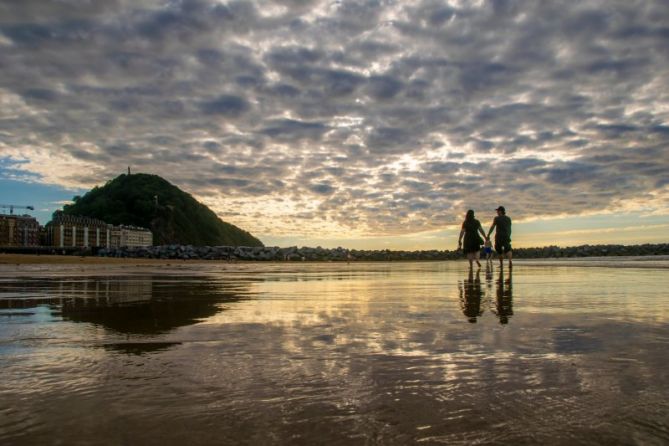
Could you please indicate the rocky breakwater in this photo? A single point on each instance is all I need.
(649, 249)
(272, 253)
(293, 253)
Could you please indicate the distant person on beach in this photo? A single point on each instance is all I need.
(470, 230)
(502, 227)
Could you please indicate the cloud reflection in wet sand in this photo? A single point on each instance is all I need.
(343, 355)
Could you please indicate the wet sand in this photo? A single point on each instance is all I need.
(34, 259)
(393, 353)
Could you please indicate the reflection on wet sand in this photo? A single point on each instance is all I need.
(131, 305)
(471, 295)
(503, 306)
(139, 348)
(337, 354)
(474, 297)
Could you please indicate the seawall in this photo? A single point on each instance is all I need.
(273, 253)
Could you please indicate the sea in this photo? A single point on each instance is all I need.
(550, 352)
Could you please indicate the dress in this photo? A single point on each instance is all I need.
(473, 240)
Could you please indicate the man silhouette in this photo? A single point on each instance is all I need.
(502, 226)
(504, 300)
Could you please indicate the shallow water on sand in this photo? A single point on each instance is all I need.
(366, 353)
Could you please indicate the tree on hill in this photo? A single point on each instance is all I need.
(174, 216)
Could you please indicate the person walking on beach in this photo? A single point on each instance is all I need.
(470, 229)
(502, 227)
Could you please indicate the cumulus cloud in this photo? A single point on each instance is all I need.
(358, 117)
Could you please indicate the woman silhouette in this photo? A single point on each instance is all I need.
(470, 229)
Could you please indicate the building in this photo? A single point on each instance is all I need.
(84, 232)
(75, 231)
(133, 236)
(19, 230)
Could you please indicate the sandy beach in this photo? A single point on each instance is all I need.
(26, 265)
(14, 262)
(32, 259)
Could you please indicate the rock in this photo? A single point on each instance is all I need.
(293, 253)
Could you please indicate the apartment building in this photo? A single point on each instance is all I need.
(84, 232)
(19, 230)
(75, 231)
(130, 236)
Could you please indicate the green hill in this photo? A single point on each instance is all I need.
(174, 218)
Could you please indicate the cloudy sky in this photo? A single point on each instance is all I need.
(368, 124)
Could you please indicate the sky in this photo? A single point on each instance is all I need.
(363, 124)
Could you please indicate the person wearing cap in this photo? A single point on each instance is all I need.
(502, 226)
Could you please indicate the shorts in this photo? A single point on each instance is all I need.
(502, 246)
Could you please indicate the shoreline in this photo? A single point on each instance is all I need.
(18, 267)
(46, 259)
(35, 259)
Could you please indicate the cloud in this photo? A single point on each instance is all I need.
(226, 105)
(379, 117)
(291, 129)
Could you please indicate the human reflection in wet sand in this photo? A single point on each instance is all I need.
(488, 274)
(470, 296)
(503, 307)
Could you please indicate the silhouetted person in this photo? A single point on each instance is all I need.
(470, 230)
(470, 297)
(504, 298)
(502, 227)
